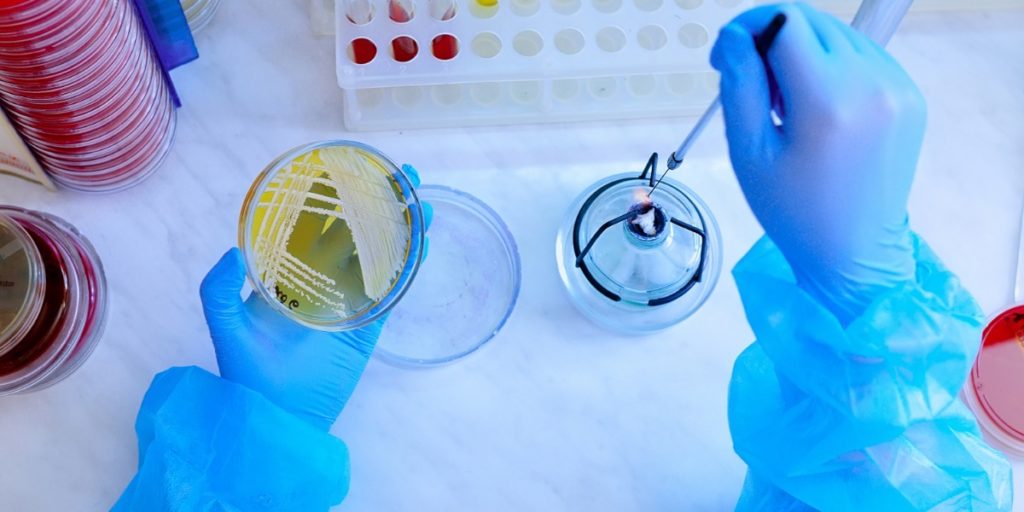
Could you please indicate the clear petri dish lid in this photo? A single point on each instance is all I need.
(332, 233)
(56, 43)
(126, 178)
(75, 84)
(52, 339)
(466, 287)
(23, 24)
(199, 12)
(22, 282)
(93, 298)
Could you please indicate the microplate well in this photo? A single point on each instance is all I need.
(506, 61)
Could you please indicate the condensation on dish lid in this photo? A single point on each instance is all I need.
(993, 391)
(635, 278)
(465, 289)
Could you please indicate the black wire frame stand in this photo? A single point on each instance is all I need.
(649, 172)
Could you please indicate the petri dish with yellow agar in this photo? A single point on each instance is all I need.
(332, 233)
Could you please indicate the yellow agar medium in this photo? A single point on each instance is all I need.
(331, 233)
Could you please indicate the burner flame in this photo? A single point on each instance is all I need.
(641, 198)
(646, 218)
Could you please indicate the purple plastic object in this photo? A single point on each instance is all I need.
(168, 31)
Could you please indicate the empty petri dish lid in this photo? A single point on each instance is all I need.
(466, 287)
(21, 282)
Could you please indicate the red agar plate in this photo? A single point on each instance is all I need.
(997, 379)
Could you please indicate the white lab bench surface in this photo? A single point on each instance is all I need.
(553, 414)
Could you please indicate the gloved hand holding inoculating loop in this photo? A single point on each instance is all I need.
(307, 372)
(830, 184)
(848, 399)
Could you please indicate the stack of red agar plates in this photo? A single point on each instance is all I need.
(84, 88)
(53, 300)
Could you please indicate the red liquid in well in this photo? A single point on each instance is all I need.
(998, 375)
(51, 317)
(404, 48)
(445, 47)
(399, 11)
(362, 51)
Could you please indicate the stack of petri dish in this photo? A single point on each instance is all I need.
(53, 300)
(84, 88)
(199, 12)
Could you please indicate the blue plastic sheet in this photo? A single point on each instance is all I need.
(865, 417)
(209, 444)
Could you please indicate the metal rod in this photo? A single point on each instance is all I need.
(652, 168)
(763, 41)
(877, 19)
(677, 158)
(604, 227)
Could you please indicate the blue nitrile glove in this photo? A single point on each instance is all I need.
(307, 372)
(830, 184)
(848, 400)
(866, 416)
(206, 443)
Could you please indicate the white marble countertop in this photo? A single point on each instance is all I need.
(554, 414)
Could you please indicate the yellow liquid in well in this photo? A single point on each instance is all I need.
(483, 8)
(331, 233)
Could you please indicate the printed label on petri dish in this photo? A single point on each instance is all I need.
(14, 272)
(15, 157)
(330, 233)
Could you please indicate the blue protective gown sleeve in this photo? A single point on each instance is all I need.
(862, 417)
(209, 444)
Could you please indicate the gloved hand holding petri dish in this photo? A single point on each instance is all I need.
(333, 234)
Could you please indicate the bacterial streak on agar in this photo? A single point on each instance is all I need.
(332, 234)
(341, 187)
